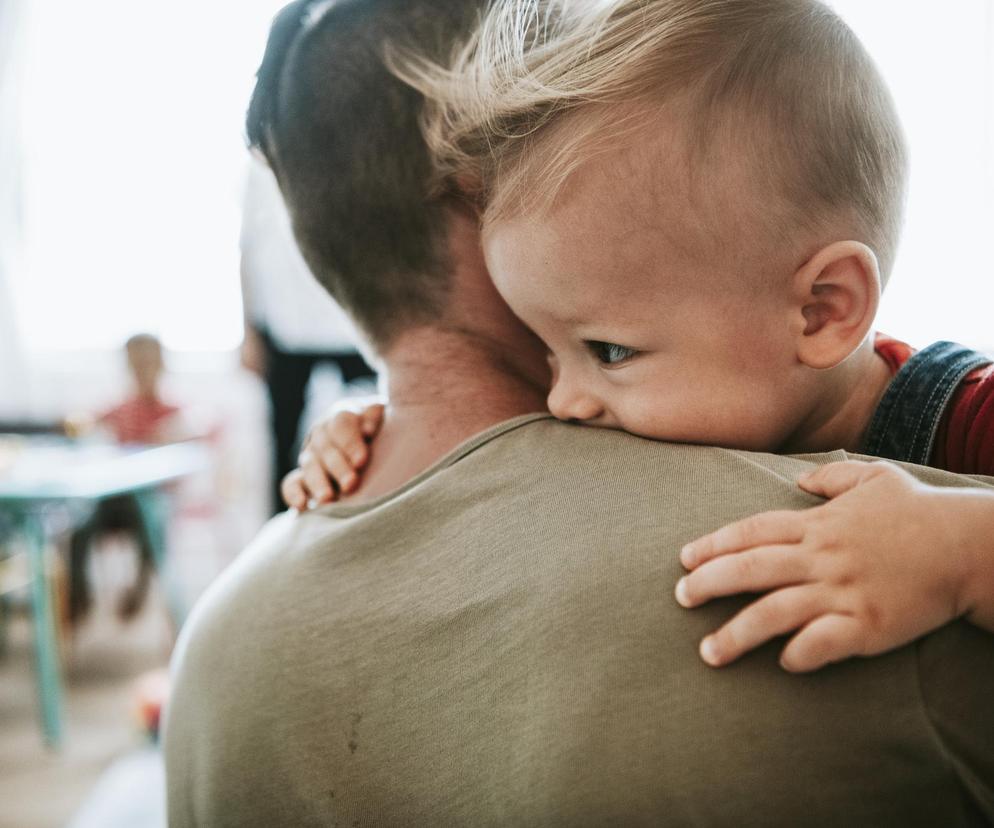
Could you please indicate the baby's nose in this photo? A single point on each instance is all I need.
(570, 403)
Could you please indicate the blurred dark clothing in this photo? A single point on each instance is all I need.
(113, 514)
(287, 375)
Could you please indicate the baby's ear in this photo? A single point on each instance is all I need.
(835, 295)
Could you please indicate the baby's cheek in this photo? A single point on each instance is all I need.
(708, 419)
(663, 418)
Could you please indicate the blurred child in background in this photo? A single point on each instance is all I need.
(142, 418)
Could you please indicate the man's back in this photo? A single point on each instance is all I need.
(497, 644)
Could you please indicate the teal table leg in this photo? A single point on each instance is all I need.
(3, 625)
(46, 643)
(154, 511)
(4, 610)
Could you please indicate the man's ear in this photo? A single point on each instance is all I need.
(835, 295)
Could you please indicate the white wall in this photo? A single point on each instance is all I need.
(12, 374)
(938, 59)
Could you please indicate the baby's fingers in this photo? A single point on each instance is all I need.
(371, 419)
(825, 640)
(756, 570)
(292, 489)
(775, 614)
(834, 479)
(342, 434)
(324, 467)
(315, 479)
(766, 529)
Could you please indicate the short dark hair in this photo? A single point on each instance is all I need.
(342, 136)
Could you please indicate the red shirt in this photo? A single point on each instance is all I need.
(138, 420)
(964, 442)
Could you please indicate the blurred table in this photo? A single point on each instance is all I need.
(42, 475)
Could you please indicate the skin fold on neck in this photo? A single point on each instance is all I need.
(843, 414)
(444, 386)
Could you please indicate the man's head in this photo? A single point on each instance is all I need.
(341, 134)
(714, 184)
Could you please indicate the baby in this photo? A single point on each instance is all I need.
(696, 204)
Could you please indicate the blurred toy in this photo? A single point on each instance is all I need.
(150, 697)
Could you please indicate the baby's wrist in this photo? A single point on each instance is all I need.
(969, 519)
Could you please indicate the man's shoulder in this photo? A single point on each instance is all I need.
(533, 479)
(548, 449)
(232, 595)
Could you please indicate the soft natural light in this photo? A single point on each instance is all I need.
(939, 63)
(135, 157)
(134, 161)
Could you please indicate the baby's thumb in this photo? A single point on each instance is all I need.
(835, 479)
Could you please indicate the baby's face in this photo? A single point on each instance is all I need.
(643, 334)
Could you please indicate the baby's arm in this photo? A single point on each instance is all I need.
(886, 560)
(335, 451)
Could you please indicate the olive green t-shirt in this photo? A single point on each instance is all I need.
(497, 643)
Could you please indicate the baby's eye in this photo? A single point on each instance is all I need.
(609, 353)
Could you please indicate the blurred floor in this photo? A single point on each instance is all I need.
(41, 788)
(104, 751)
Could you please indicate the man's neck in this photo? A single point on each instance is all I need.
(444, 387)
(844, 413)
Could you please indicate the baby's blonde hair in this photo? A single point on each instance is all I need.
(542, 84)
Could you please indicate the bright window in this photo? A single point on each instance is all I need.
(134, 159)
(938, 60)
(135, 156)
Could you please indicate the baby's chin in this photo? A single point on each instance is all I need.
(696, 436)
(688, 434)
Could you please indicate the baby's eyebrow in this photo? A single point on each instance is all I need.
(566, 316)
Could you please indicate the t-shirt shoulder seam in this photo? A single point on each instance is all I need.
(460, 452)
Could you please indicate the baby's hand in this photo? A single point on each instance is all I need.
(885, 561)
(335, 450)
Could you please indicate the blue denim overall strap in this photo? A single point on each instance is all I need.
(906, 421)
